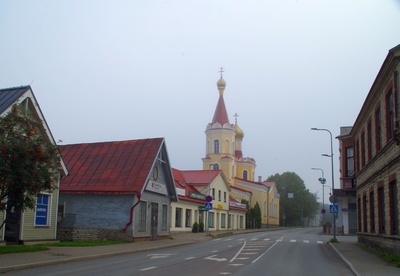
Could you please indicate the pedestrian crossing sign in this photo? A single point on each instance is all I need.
(333, 208)
(208, 206)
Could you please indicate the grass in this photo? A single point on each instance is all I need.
(82, 243)
(393, 258)
(9, 249)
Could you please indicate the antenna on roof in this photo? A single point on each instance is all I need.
(31, 83)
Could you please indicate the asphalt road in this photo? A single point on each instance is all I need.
(286, 252)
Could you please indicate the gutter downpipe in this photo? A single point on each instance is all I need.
(131, 212)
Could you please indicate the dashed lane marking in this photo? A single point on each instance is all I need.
(148, 268)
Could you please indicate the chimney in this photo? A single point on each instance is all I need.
(259, 178)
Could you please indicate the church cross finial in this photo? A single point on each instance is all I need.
(221, 71)
(236, 115)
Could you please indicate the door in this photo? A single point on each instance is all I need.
(154, 221)
(12, 224)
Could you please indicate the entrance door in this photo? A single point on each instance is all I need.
(154, 221)
(12, 225)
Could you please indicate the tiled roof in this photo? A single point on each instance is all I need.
(200, 177)
(109, 167)
(220, 115)
(9, 96)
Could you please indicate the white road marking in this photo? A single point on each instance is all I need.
(292, 240)
(189, 258)
(237, 254)
(225, 273)
(159, 256)
(148, 268)
(306, 241)
(235, 264)
(267, 239)
(214, 251)
(320, 242)
(212, 258)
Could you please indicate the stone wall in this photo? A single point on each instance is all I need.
(93, 234)
(389, 243)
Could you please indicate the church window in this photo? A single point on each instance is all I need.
(215, 166)
(233, 170)
(245, 175)
(216, 146)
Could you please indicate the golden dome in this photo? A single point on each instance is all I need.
(239, 132)
(221, 83)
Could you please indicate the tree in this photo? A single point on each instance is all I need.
(294, 210)
(28, 160)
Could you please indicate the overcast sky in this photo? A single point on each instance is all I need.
(120, 70)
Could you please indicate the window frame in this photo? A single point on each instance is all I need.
(39, 213)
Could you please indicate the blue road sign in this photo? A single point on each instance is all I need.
(208, 206)
(333, 208)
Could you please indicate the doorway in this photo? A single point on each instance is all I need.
(154, 221)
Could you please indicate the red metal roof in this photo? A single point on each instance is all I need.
(109, 167)
(220, 115)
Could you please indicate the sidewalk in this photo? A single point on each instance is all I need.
(361, 261)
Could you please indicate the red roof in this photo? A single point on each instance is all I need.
(220, 115)
(109, 167)
(187, 180)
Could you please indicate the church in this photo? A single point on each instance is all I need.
(224, 152)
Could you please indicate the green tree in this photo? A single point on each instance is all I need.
(28, 160)
(297, 205)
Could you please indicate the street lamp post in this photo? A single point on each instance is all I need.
(322, 180)
(333, 178)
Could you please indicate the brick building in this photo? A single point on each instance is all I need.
(370, 159)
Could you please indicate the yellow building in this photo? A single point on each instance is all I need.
(224, 152)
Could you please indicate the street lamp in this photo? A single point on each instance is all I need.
(322, 180)
(333, 179)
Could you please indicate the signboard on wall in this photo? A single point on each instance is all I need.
(156, 187)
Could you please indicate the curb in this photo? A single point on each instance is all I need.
(345, 260)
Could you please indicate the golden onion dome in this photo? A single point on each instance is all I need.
(221, 83)
(239, 132)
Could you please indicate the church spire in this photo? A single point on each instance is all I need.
(220, 114)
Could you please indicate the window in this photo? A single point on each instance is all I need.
(219, 195)
(359, 214)
(42, 210)
(224, 196)
(349, 161)
(211, 219)
(365, 219)
(215, 166)
(233, 171)
(381, 210)
(164, 222)
(245, 175)
(394, 211)
(223, 220)
(142, 216)
(372, 212)
(369, 140)
(178, 217)
(241, 222)
(357, 160)
(188, 217)
(216, 146)
(390, 116)
(378, 129)
(362, 149)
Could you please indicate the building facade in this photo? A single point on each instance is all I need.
(370, 159)
(193, 187)
(116, 191)
(38, 225)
